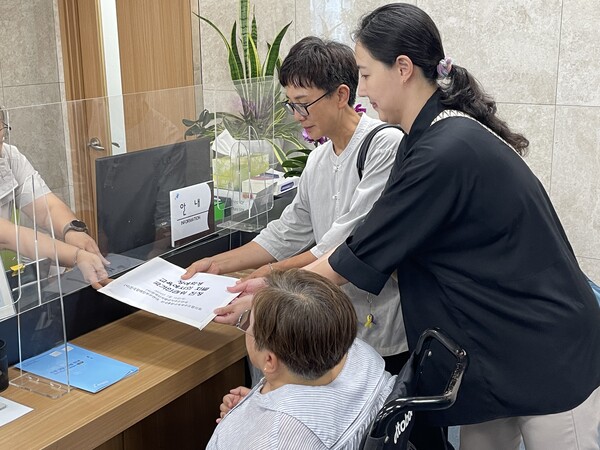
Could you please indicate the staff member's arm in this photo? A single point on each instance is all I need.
(51, 211)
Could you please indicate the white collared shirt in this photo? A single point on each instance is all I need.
(18, 180)
(331, 201)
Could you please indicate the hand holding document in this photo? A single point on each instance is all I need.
(156, 286)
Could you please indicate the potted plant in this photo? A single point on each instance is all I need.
(261, 115)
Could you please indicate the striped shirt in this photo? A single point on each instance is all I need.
(334, 416)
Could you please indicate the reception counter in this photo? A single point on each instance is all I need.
(172, 402)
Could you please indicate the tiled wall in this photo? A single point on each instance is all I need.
(540, 59)
(31, 75)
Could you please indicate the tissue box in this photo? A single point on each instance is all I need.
(264, 180)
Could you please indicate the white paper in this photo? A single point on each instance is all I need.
(156, 286)
(11, 410)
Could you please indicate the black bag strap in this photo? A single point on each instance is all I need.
(366, 142)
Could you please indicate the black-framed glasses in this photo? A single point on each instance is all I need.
(302, 108)
(4, 127)
(243, 322)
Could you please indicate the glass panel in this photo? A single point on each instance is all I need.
(251, 133)
(143, 194)
(34, 257)
(128, 191)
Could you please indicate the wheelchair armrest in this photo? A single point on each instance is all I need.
(393, 408)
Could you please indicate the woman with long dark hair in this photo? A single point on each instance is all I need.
(478, 248)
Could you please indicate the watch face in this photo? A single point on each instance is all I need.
(78, 225)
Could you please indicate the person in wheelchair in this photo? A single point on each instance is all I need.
(322, 387)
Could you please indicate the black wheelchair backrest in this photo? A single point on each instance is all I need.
(391, 428)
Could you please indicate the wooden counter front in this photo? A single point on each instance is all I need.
(173, 398)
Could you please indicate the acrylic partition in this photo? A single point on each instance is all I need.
(34, 256)
(141, 170)
(148, 173)
(251, 135)
(122, 165)
(154, 190)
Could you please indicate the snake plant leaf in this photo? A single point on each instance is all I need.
(292, 138)
(278, 63)
(244, 33)
(234, 57)
(273, 54)
(254, 59)
(262, 115)
(234, 68)
(254, 34)
(278, 151)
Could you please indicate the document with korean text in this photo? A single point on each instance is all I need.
(156, 286)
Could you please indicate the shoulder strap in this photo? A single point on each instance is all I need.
(454, 113)
(366, 142)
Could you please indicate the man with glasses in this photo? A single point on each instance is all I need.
(22, 188)
(320, 80)
(321, 388)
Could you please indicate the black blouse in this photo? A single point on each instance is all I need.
(481, 254)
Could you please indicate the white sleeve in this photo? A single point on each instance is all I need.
(27, 177)
(292, 233)
(379, 162)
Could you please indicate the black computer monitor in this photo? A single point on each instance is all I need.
(132, 191)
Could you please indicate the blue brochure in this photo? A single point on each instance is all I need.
(89, 371)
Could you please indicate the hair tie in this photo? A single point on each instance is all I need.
(444, 67)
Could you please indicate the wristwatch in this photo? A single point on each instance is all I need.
(75, 225)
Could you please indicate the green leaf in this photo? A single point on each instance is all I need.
(254, 34)
(234, 56)
(278, 151)
(291, 163)
(273, 54)
(205, 117)
(254, 59)
(244, 33)
(306, 151)
(292, 173)
(300, 159)
(233, 66)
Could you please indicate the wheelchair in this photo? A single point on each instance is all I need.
(391, 428)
